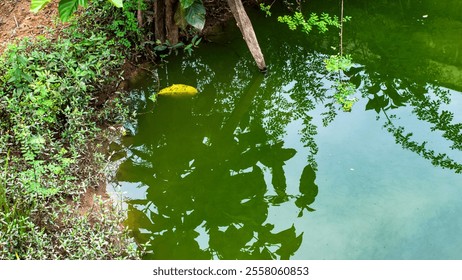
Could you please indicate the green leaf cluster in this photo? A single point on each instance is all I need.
(321, 22)
(67, 7)
(123, 22)
(266, 9)
(343, 95)
(338, 62)
(191, 12)
(164, 49)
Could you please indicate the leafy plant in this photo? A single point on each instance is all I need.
(124, 25)
(344, 89)
(266, 9)
(51, 115)
(195, 41)
(164, 49)
(193, 12)
(67, 7)
(338, 62)
(37, 5)
(321, 22)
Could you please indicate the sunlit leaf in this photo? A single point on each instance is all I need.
(37, 188)
(37, 5)
(117, 3)
(186, 3)
(67, 7)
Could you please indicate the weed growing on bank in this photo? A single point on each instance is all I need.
(55, 95)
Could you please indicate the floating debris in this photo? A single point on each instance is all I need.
(178, 90)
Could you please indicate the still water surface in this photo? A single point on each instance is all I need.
(269, 166)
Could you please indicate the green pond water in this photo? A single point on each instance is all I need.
(270, 167)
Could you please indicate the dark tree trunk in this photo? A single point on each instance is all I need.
(170, 26)
(159, 26)
(164, 22)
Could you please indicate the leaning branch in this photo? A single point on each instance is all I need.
(244, 24)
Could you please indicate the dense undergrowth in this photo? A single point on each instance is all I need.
(56, 96)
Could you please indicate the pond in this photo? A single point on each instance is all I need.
(270, 167)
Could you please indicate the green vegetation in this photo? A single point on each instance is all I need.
(322, 22)
(55, 96)
(67, 7)
(338, 63)
(266, 9)
(162, 20)
(191, 12)
(344, 89)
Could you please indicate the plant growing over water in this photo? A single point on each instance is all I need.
(266, 9)
(321, 22)
(338, 63)
(344, 91)
(191, 12)
(164, 49)
(344, 88)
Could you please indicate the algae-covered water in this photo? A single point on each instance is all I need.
(269, 166)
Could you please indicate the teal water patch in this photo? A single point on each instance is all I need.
(270, 167)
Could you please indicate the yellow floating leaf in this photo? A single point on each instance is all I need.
(178, 90)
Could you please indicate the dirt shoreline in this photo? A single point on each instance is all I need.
(17, 21)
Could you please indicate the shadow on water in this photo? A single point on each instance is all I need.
(214, 169)
(205, 165)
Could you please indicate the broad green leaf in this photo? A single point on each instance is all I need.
(117, 3)
(195, 15)
(37, 5)
(67, 7)
(186, 3)
(160, 48)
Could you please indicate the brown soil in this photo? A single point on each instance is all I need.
(17, 21)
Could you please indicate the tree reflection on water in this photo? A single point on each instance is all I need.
(214, 166)
(217, 167)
